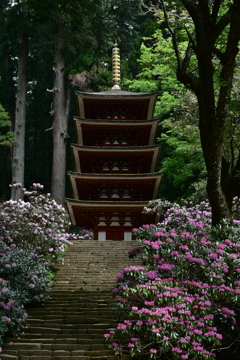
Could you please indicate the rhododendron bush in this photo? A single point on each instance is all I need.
(183, 302)
(38, 220)
(33, 235)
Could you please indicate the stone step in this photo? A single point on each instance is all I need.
(71, 324)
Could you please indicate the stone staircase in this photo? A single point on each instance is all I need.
(71, 324)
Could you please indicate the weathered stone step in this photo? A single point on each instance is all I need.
(71, 324)
(56, 357)
(9, 357)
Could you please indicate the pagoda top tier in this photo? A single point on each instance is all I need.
(116, 104)
(117, 92)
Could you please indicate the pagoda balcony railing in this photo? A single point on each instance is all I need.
(114, 142)
(104, 161)
(116, 194)
(115, 139)
(117, 169)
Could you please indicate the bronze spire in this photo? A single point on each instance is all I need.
(116, 78)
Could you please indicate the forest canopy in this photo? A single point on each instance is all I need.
(186, 51)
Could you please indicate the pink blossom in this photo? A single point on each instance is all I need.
(177, 350)
(213, 256)
(227, 311)
(131, 345)
(221, 246)
(165, 267)
(121, 327)
(154, 246)
(135, 339)
(6, 319)
(228, 242)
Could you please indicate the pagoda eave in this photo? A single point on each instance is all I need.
(116, 121)
(93, 159)
(116, 93)
(133, 132)
(91, 213)
(111, 186)
(116, 104)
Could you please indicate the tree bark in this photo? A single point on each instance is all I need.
(213, 111)
(60, 122)
(20, 119)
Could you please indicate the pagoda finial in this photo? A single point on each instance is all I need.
(116, 78)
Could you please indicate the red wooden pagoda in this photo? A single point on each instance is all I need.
(115, 161)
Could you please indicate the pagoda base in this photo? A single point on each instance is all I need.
(103, 233)
(109, 220)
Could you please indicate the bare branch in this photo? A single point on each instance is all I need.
(221, 25)
(51, 128)
(174, 40)
(51, 91)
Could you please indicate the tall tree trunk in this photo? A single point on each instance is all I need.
(213, 153)
(20, 115)
(9, 105)
(59, 123)
(213, 101)
(212, 124)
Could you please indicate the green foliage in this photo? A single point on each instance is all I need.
(89, 29)
(182, 158)
(157, 65)
(6, 137)
(184, 164)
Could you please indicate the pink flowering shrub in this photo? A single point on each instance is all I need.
(26, 272)
(183, 302)
(134, 252)
(82, 234)
(39, 221)
(24, 278)
(33, 236)
(13, 315)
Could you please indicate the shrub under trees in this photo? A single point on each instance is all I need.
(33, 236)
(182, 303)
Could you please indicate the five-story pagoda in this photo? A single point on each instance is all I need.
(115, 160)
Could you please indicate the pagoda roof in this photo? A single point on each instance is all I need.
(117, 122)
(117, 148)
(132, 132)
(116, 93)
(133, 186)
(146, 155)
(105, 204)
(116, 104)
(117, 176)
(88, 213)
